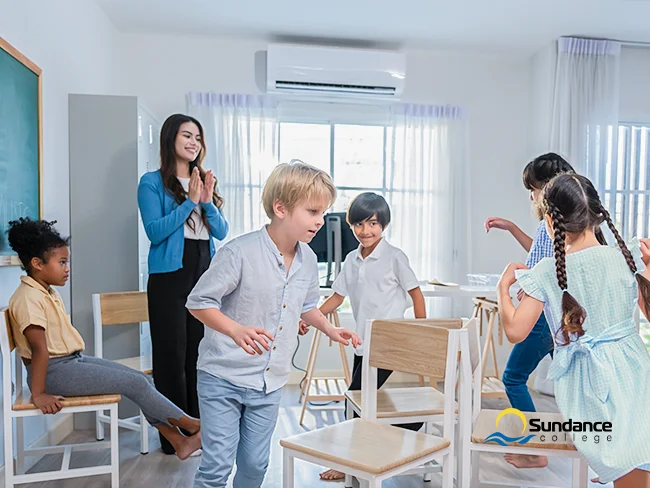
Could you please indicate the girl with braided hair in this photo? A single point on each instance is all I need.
(589, 292)
(526, 355)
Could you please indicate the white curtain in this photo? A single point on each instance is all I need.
(241, 134)
(428, 190)
(585, 104)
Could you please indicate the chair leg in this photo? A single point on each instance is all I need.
(579, 473)
(374, 483)
(474, 479)
(20, 446)
(348, 481)
(427, 430)
(115, 453)
(287, 469)
(99, 426)
(9, 450)
(144, 434)
(448, 470)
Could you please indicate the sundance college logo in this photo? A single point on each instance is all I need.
(551, 432)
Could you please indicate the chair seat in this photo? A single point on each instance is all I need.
(354, 443)
(493, 388)
(509, 432)
(404, 402)
(139, 363)
(23, 403)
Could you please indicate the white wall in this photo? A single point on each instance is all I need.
(635, 73)
(72, 42)
(493, 88)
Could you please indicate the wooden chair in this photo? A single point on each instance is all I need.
(493, 386)
(478, 426)
(367, 448)
(19, 406)
(119, 309)
(412, 404)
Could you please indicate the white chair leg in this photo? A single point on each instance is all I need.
(448, 470)
(579, 473)
(427, 430)
(287, 469)
(348, 481)
(144, 434)
(99, 426)
(475, 459)
(9, 450)
(374, 483)
(20, 446)
(115, 446)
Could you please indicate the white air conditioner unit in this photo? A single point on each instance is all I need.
(331, 71)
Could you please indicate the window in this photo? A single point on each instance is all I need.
(627, 188)
(627, 183)
(353, 155)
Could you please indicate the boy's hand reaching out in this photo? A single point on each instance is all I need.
(344, 336)
(303, 328)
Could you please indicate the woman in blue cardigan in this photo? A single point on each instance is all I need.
(181, 212)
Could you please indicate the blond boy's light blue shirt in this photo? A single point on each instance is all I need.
(248, 281)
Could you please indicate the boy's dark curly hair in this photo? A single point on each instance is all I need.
(34, 239)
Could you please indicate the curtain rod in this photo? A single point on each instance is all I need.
(635, 43)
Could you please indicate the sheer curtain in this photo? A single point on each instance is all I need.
(241, 134)
(428, 190)
(585, 105)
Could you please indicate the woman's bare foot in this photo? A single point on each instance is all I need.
(188, 446)
(332, 475)
(525, 461)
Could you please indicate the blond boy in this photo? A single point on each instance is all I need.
(251, 300)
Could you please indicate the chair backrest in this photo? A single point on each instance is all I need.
(470, 371)
(7, 346)
(417, 346)
(117, 309)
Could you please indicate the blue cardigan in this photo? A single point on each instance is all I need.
(164, 221)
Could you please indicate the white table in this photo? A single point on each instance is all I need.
(436, 291)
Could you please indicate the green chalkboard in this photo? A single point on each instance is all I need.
(20, 143)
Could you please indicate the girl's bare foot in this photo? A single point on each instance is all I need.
(188, 446)
(332, 475)
(524, 461)
(188, 424)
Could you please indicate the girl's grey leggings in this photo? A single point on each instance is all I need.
(80, 375)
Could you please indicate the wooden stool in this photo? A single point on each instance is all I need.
(492, 385)
(328, 389)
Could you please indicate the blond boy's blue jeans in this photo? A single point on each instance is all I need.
(237, 424)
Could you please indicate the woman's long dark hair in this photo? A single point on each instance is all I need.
(574, 206)
(168, 135)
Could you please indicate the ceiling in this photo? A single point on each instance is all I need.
(503, 25)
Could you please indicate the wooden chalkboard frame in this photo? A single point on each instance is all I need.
(12, 51)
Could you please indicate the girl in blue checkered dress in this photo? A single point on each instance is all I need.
(589, 292)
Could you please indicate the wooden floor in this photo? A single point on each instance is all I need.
(156, 470)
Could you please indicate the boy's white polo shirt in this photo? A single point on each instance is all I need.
(378, 285)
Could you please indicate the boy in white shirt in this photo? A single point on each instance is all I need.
(251, 300)
(378, 279)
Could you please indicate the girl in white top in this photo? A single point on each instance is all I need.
(378, 279)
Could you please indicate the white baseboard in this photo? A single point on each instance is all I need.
(55, 434)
